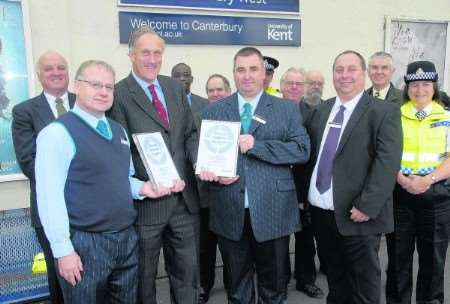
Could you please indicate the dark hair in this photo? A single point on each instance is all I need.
(248, 51)
(226, 83)
(435, 95)
(361, 58)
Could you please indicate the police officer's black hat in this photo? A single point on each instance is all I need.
(421, 70)
(270, 64)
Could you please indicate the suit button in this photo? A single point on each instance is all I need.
(242, 190)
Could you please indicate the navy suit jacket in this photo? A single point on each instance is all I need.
(29, 118)
(265, 170)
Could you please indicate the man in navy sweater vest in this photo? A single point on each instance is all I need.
(85, 189)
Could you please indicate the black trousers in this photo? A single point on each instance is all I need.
(110, 268)
(179, 242)
(352, 262)
(208, 253)
(56, 296)
(243, 258)
(423, 222)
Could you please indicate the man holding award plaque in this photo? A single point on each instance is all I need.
(255, 211)
(145, 102)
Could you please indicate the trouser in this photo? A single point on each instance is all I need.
(56, 296)
(352, 262)
(177, 238)
(245, 257)
(110, 268)
(421, 221)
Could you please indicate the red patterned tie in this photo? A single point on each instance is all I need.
(159, 106)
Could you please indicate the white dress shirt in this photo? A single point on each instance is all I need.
(325, 200)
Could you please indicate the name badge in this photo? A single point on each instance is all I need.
(259, 119)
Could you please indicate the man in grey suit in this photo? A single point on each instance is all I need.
(147, 102)
(380, 72)
(29, 118)
(255, 212)
(356, 147)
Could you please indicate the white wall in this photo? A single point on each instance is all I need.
(86, 29)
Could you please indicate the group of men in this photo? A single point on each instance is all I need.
(103, 224)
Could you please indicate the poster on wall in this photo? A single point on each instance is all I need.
(213, 30)
(15, 83)
(413, 40)
(263, 6)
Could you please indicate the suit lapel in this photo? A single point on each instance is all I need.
(72, 98)
(262, 111)
(232, 111)
(359, 110)
(141, 99)
(171, 104)
(42, 108)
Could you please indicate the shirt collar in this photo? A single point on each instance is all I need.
(383, 92)
(254, 102)
(90, 119)
(51, 98)
(349, 105)
(428, 109)
(144, 84)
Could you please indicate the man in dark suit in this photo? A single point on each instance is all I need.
(292, 86)
(380, 72)
(29, 118)
(147, 102)
(355, 156)
(255, 212)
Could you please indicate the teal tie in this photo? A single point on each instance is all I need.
(246, 117)
(102, 128)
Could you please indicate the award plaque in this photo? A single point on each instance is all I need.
(218, 147)
(156, 158)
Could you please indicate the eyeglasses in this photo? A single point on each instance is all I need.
(315, 83)
(97, 85)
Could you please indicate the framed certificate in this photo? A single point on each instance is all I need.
(156, 158)
(218, 147)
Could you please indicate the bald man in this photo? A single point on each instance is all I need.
(29, 118)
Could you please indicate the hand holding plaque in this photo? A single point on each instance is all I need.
(156, 158)
(218, 147)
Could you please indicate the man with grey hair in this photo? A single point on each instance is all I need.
(380, 72)
(314, 87)
(29, 118)
(145, 102)
(85, 199)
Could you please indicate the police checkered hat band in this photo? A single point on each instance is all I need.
(421, 70)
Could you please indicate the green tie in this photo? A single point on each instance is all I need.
(246, 117)
(60, 110)
(102, 128)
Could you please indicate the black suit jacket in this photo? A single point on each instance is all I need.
(366, 163)
(198, 105)
(393, 95)
(29, 118)
(133, 109)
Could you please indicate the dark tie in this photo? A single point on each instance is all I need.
(376, 94)
(102, 128)
(323, 180)
(60, 110)
(159, 106)
(421, 115)
(246, 117)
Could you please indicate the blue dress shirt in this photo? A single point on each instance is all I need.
(144, 85)
(254, 102)
(55, 150)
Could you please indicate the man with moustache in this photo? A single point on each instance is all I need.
(148, 102)
(29, 118)
(217, 87)
(355, 157)
(380, 72)
(254, 212)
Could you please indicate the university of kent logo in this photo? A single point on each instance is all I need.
(280, 32)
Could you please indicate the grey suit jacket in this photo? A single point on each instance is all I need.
(198, 105)
(265, 170)
(393, 95)
(366, 163)
(133, 109)
(29, 118)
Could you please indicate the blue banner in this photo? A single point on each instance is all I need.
(218, 30)
(287, 6)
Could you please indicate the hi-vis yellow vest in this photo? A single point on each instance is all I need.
(425, 143)
(273, 92)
